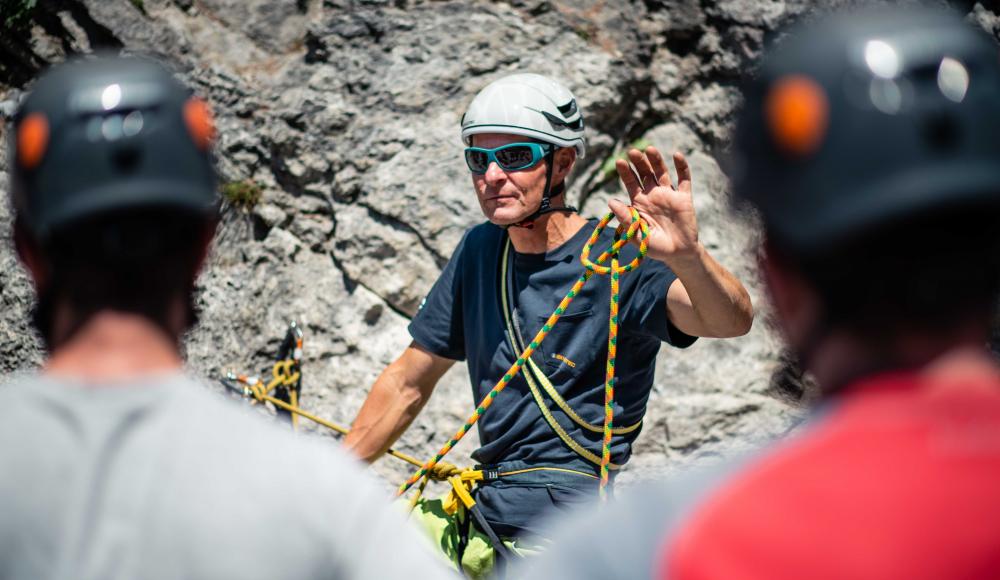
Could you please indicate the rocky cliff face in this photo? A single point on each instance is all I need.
(345, 114)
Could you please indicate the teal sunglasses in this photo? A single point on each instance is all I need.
(510, 157)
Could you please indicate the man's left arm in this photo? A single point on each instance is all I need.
(705, 299)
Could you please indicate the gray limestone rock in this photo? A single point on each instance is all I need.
(346, 114)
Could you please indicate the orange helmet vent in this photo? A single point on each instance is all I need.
(32, 140)
(798, 114)
(199, 121)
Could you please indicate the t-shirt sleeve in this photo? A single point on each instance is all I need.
(438, 325)
(644, 304)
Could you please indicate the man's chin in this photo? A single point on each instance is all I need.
(505, 218)
(504, 221)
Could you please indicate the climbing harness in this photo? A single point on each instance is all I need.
(622, 236)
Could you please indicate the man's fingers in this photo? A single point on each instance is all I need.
(642, 167)
(621, 211)
(629, 180)
(660, 168)
(683, 172)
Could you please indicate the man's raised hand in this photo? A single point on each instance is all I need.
(668, 210)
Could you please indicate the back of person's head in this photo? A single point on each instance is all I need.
(114, 193)
(869, 144)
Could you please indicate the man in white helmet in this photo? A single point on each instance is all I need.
(540, 451)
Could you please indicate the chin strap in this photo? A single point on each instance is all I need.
(547, 194)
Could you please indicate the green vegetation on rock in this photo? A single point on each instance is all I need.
(608, 168)
(15, 14)
(243, 195)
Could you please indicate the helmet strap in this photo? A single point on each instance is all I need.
(546, 205)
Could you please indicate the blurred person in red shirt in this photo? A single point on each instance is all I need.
(869, 144)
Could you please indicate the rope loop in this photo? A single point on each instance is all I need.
(283, 372)
(257, 390)
(623, 235)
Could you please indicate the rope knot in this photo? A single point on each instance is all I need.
(257, 390)
(286, 372)
(443, 471)
(623, 235)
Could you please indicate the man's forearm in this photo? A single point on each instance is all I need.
(385, 415)
(396, 398)
(720, 305)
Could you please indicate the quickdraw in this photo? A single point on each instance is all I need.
(623, 235)
(285, 386)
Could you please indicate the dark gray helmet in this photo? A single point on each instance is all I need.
(105, 134)
(866, 118)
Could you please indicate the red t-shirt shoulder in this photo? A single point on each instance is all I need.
(901, 479)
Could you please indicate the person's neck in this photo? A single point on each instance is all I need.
(113, 346)
(841, 361)
(548, 232)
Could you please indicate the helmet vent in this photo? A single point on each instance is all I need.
(557, 122)
(199, 121)
(32, 140)
(569, 109)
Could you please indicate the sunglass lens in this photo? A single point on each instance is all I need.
(517, 157)
(477, 161)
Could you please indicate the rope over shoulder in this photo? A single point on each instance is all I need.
(623, 235)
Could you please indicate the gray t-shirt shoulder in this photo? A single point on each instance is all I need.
(162, 478)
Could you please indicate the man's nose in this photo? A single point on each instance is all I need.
(494, 174)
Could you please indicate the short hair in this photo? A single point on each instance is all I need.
(138, 262)
(929, 274)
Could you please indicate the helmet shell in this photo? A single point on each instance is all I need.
(527, 104)
(104, 134)
(869, 117)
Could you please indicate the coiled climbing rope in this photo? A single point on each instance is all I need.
(623, 235)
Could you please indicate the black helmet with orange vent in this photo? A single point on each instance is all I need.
(106, 134)
(867, 118)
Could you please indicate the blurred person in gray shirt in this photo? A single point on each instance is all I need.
(113, 463)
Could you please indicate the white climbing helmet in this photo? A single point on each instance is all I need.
(530, 105)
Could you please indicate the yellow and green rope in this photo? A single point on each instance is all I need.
(622, 237)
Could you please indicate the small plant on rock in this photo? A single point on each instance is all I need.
(244, 195)
(608, 169)
(15, 14)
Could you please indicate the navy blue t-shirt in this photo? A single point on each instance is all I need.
(462, 319)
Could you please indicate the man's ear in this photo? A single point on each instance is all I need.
(30, 255)
(562, 163)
